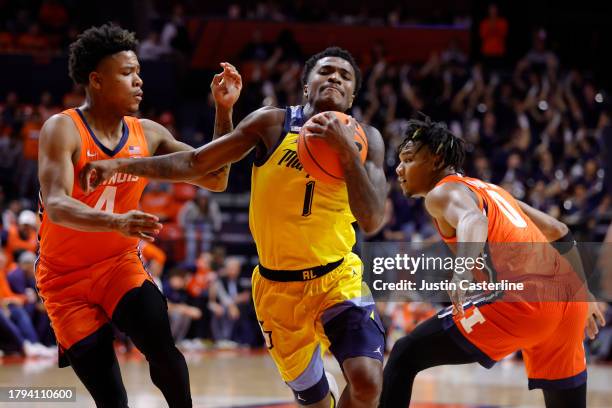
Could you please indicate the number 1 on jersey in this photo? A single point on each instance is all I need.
(308, 198)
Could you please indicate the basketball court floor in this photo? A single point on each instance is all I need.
(248, 379)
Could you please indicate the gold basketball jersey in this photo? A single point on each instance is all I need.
(296, 221)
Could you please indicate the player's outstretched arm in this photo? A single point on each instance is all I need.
(225, 88)
(366, 184)
(456, 205)
(188, 166)
(59, 142)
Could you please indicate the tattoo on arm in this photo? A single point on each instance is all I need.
(223, 125)
(174, 167)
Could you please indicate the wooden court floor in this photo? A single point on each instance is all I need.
(245, 379)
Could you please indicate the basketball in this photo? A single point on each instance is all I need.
(320, 160)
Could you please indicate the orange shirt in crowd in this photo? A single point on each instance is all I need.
(30, 132)
(160, 203)
(493, 33)
(5, 290)
(151, 252)
(201, 280)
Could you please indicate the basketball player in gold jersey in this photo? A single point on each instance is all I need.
(307, 288)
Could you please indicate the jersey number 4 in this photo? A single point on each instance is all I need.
(106, 202)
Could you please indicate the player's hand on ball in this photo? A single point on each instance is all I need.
(595, 317)
(337, 134)
(138, 224)
(96, 172)
(226, 86)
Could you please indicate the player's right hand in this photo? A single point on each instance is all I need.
(458, 295)
(138, 224)
(226, 86)
(595, 317)
(94, 173)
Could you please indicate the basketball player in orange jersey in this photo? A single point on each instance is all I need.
(307, 288)
(89, 272)
(550, 333)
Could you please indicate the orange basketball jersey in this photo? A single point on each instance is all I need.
(515, 242)
(507, 222)
(68, 249)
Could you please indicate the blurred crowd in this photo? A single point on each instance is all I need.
(538, 128)
(42, 26)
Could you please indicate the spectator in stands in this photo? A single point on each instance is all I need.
(27, 174)
(538, 60)
(17, 334)
(11, 213)
(157, 200)
(198, 289)
(152, 48)
(180, 312)
(493, 33)
(22, 282)
(230, 303)
(174, 34)
(154, 260)
(74, 98)
(46, 108)
(23, 236)
(200, 219)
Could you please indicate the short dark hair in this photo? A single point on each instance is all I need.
(439, 140)
(332, 52)
(93, 45)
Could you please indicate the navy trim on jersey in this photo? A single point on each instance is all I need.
(106, 150)
(294, 116)
(560, 384)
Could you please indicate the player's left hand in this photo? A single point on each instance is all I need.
(595, 317)
(226, 86)
(338, 135)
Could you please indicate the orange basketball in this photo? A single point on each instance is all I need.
(320, 160)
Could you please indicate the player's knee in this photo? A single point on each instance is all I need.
(364, 376)
(159, 350)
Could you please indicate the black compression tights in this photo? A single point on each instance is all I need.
(429, 346)
(143, 315)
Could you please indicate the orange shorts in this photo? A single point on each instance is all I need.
(549, 334)
(81, 301)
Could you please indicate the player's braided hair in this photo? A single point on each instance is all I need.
(93, 45)
(439, 140)
(332, 52)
